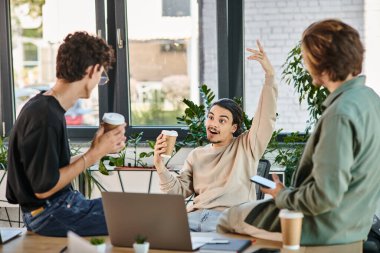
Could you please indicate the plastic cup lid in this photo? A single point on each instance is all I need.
(285, 213)
(169, 133)
(113, 118)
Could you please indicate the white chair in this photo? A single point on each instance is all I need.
(6, 208)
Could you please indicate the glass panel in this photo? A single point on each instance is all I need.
(175, 8)
(38, 28)
(163, 60)
(279, 25)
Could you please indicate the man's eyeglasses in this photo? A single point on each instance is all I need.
(104, 78)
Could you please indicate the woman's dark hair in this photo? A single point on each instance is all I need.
(236, 111)
(79, 51)
(333, 47)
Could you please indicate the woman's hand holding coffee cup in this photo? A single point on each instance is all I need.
(159, 148)
(164, 147)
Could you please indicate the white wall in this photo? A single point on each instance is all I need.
(372, 42)
(279, 25)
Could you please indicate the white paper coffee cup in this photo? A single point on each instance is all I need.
(171, 137)
(112, 120)
(291, 229)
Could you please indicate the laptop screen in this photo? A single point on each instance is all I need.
(162, 218)
(6, 234)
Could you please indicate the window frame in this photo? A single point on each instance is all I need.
(6, 67)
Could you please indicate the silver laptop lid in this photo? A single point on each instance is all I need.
(6, 234)
(162, 218)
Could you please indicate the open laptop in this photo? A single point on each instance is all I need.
(7, 234)
(162, 218)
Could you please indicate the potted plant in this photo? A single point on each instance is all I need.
(99, 243)
(141, 245)
(125, 158)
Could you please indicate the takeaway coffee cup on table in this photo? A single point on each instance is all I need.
(171, 137)
(112, 120)
(291, 228)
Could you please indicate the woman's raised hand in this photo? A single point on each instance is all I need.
(260, 56)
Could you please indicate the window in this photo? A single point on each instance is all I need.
(175, 8)
(163, 62)
(38, 28)
(30, 54)
(173, 46)
(165, 50)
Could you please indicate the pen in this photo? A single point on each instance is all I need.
(219, 241)
(64, 249)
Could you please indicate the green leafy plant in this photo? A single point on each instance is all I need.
(295, 74)
(3, 154)
(290, 152)
(134, 140)
(140, 239)
(97, 240)
(137, 159)
(114, 160)
(120, 158)
(3, 158)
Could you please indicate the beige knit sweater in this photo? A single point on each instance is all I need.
(219, 177)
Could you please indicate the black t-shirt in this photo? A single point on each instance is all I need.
(38, 148)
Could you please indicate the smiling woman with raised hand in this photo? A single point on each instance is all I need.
(218, 173)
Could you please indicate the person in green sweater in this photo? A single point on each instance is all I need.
(336, 183)
(218, 173)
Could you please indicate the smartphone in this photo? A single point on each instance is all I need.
(267, 250)
(262, 181)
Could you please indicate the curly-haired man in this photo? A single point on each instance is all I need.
(40, 166)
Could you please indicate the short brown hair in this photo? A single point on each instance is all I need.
(79, 51)
(333, 47)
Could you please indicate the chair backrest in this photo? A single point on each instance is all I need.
(262, 170)
(3, 187)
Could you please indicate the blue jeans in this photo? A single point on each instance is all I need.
(203, 220)
(69, 211)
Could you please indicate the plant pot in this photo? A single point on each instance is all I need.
(101, 248)
(141, 247)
